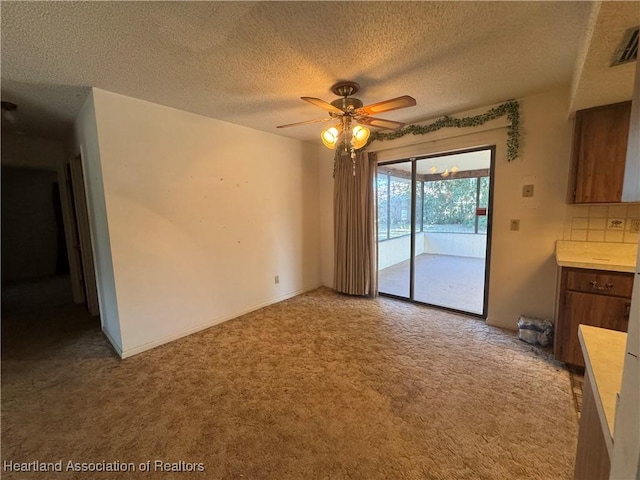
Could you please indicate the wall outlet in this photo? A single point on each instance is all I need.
(276, 279)
(634, 226)
(515, 225)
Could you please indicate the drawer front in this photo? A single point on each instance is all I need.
(600, 281)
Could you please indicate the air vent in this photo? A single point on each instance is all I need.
(628, 49)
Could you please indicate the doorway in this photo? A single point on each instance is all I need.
(33, 245)
(83, 275)
(434, 229)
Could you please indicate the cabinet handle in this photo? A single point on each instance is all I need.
(595, 286)
(627, 310)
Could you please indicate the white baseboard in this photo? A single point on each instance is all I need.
(175, 336)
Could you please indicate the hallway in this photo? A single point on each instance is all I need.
(40, 322)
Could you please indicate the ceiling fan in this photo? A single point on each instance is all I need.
(348, 110)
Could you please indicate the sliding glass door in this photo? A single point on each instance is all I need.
(434, 229)
(394, 227)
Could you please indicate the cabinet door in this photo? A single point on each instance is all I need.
(599, 151)
(588, 309)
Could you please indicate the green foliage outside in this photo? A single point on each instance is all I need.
(448, 205)
(450, 202)
(394, 210)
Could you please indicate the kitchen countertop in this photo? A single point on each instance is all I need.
(604, 352)
(616, 257)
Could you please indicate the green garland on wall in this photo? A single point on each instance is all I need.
(511, 109)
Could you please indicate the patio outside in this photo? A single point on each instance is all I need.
(450, 229)
(442, 280)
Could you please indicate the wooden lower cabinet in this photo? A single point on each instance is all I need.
(592, 457)
(589, 297)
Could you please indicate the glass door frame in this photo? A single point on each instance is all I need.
(414, 160)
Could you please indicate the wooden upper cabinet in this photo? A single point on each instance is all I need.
(599, 153)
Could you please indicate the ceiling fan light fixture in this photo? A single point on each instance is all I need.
(330, 137)
(359, 136)
(350, 110)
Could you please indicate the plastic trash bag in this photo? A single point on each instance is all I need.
(535, 331)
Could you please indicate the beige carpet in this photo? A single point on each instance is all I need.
(319, 386)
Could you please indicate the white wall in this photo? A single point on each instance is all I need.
(201, 214)
(397, 250)
(523, 270)
(458, 244)
(86, 143)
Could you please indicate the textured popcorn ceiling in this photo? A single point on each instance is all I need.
(595, 82)
(249, 62)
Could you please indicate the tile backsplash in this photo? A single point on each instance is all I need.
(602, 223)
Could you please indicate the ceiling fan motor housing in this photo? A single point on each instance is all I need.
(349, 109)
(347, 104)
(345, 89)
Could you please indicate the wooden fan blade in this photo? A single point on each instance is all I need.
(388, 105)
(322, 104)
(304, 123)
(380, 123)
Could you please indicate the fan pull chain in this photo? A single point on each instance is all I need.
(353, 161)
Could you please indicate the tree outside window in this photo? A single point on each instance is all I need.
(448, 205)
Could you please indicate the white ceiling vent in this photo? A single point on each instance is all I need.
(627, 50)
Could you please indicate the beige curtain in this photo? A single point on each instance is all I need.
(355, 225)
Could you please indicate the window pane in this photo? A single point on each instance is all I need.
(419, 207)
(484, 203)
(383, 202)
(400, 207)
(449, 205)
